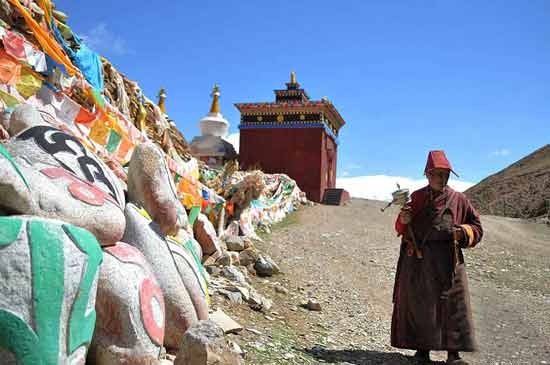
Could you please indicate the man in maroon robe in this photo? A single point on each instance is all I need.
(431, 297)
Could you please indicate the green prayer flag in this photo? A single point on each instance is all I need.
(8, 99)
(193, 214)
(98, 97)
(113, 141)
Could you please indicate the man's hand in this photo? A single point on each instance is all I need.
(405, 216)
(458, 234)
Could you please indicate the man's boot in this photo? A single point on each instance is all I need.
(422, 356)
(454, 358)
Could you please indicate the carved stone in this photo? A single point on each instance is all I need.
(48, 173)
(130, 310)
(150, 186)
(177, 271)
(48, 281)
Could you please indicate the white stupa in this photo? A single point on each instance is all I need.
(214, 124)
(210, 147)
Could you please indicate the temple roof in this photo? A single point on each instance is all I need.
(310, 106)
(293, 100)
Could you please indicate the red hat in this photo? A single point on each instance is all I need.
(438, 160)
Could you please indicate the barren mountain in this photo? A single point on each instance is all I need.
(522, 190)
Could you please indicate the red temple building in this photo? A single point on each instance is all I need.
(295, 136)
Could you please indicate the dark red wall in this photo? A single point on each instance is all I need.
(301, 153)
(328, 163)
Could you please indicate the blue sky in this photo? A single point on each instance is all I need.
(469, 77)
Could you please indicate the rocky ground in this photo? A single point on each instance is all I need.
(344, 258)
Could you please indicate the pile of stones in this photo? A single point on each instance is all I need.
(95, 270)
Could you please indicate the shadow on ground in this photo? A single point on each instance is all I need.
(361, 357)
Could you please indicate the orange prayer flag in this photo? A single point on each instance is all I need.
(85, 116)
(10, 69)
(125, 146)
(49, 45)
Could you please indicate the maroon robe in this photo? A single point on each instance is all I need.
(431, 297)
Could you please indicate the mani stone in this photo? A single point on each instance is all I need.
(130, 310)
(206, 235)
(175, 269)
(193, 274)
(191, 243)
(205, 344)
(23, 117)
(48, 281)
(47, 173)
(150, 186)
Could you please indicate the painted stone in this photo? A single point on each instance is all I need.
(178, 271)
(205, 234)
(23, 117)
(205, 344)
(46, 172)
(150, 186)
(192, 243)
(48, 282)
(130, 310)
(193, 275)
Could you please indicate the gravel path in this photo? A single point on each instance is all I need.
(345, 258)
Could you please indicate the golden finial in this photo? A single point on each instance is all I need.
(215, 108)
(162, 98)
(293, 77)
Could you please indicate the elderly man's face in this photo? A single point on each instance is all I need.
(437, 178)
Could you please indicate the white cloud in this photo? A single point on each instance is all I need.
(103, 41)
(345, 173)
(380, 187)
(233, 138)
(500, 152)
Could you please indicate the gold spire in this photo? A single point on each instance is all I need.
(293, 77)
(215, 108)
(162, 98)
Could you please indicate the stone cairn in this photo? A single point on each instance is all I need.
(94, 270)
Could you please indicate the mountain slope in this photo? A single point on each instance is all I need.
(522, 190)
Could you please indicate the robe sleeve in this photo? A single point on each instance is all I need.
(416, 200)
(471, 226)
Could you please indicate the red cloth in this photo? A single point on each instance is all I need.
(438, 160)
(15, 45)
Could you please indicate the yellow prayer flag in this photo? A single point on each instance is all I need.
(28, 83)
(99, 132)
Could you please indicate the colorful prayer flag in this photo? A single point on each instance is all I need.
(10, 69)
(28, 83)
(99, 132)
(113, 141)
(14, 44)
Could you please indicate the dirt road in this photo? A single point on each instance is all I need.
(345, 258)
